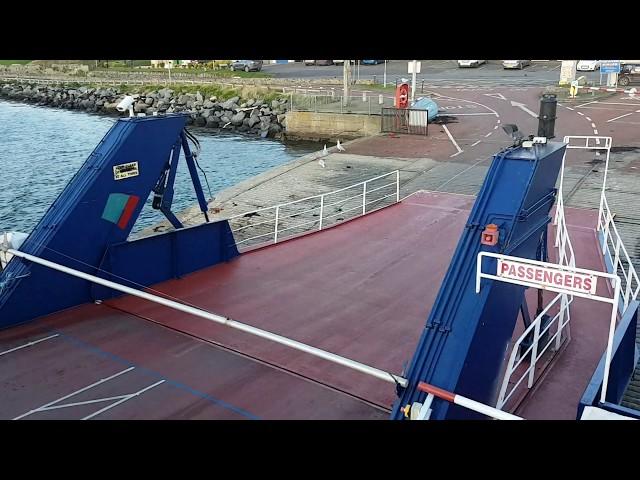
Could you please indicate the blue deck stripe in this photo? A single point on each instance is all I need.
(182, 386)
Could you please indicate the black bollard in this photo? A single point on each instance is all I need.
(547, 117)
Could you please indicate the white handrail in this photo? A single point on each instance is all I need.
(278, 217)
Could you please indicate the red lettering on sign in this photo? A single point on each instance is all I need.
(577, 282)
(521, 271)
(504, 267)
(512, 270)
(548, 276)
(587, 284)
(538, 275)
(529, 273)
(567, 281)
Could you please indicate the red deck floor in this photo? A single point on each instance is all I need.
(363, 290)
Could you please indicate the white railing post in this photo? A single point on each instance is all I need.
(534, 351)
(364, 197)
(604, 180)
(563, 307)
(321, 210)
(397, 185)
(275, 232)
(612, 328)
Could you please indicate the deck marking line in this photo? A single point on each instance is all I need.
(29, 344)
(128, 397)
(474, 144)
(95, 384)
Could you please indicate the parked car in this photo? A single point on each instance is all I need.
(247, 65)
(371, 62)
(515, 64)
(470, 63)
(588, 65)
(324, 63)
(309, 62)
(338, 62)
(629, 73)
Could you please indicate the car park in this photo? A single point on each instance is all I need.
(470, 63)
(246, 65)
(520, 64)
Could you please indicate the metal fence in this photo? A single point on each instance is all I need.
(273, 224)
(327, 101)
(405, 120)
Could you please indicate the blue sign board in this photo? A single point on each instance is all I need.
(610, 66)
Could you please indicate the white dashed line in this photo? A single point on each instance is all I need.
(588, 119)
(498, 121)
(597, 141)
(569, 108)
(455, 154)
(580, 113)
(488, 134)
(593, 125)
(595, 131)
(474, 144)
(496, 127)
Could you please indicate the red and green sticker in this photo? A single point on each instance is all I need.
(120, 208)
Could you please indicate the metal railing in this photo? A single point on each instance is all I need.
(536, 349)
(316, 212)
(422, 411)
(615, 252)
(405, 120)
(327, 101)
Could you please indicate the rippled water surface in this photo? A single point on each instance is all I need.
(41, 148)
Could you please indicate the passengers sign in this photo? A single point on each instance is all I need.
(547, 276)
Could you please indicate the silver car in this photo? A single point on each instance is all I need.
(520, 64)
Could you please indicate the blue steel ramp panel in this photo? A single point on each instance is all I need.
(97, 208)
(463, 345)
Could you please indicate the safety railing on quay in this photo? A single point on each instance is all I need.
(327, 101)
(314, 213)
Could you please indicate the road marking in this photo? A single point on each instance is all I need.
(524, 108)
(595, 131)
(498, 121)
(451, 138)
(468, 114)
(593, 125)
(588, 103)
(615, 118)
(495, 95)
(488, 134)
(28, 344)
(474, 144)
(597, 141)
(455, 154)
(588, 118)
(580, 113)
(496, 127)
(569, 108)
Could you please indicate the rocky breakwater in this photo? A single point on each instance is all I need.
(252, 116)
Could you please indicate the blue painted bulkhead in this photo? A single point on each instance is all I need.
(463, 345)
(88, 224)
